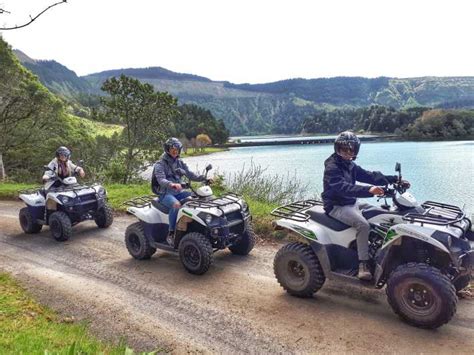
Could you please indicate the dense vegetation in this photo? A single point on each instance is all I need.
(34, 122)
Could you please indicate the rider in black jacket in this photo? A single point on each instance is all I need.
(341, 192)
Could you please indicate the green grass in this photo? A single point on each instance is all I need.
(9, 190)
(207, 150)
(29, 328)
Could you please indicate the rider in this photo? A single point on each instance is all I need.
(166, 181)
(341, 192)
(62, 166)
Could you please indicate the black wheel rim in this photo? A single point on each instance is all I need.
(134, 243)
(56, 229)
(192, 256)
(296, 273)
(419, 299)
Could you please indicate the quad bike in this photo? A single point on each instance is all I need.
(204, 225)
(63, 207)
(422, 253)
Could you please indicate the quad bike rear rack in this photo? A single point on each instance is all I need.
(30, 191)
(140, 202)
(440, 214)
(294, 210)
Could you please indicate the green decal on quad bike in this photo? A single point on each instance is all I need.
(390, 234)
(187, 213)
(305, 232)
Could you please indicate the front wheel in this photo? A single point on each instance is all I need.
(195, 252)
(246, 241)
(28, 223)
(421, 295)
(298, 270)
(60, 226)
(104, 216)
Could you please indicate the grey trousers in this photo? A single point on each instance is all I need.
(352, 216)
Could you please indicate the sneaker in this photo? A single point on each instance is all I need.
(364, 272)
(170, 238)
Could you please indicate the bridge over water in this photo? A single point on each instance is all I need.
(302, 140)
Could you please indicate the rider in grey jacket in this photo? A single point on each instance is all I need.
(166, 181)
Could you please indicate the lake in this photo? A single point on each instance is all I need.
(439, 171)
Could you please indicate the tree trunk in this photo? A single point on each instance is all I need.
(2, 169)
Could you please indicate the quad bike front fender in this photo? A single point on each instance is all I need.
(397, 251)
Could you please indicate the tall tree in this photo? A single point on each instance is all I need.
(26, 107)
(146, 115)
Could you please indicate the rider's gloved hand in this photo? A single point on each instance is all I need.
(176, 187)
(404, 183)
(376, 191)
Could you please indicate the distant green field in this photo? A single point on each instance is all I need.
(93, 127)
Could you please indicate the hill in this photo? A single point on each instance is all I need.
(278, 107)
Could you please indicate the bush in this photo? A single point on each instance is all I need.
(277, 189)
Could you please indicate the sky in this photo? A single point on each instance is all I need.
(251, 41)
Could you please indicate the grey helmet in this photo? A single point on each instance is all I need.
(63, 151)
(347, 141)
(173, 143)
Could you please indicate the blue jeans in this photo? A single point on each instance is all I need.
(169, 200)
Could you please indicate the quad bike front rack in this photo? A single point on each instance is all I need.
(217, 202)
(436, 213)
(294, 210)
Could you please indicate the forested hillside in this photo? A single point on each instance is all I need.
(279, 107)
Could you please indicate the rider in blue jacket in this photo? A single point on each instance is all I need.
(341, 192)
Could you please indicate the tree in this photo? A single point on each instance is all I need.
(203, 140)
(146, 115)
(26, 107)
(31, 18)
(194, 120)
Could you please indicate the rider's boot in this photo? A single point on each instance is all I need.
(170, 238)
(364, 271)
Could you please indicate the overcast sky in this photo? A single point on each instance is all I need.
(251, 41)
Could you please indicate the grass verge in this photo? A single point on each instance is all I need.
(29, 328)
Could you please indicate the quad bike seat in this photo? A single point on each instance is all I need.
(159, 206)
(327, 221)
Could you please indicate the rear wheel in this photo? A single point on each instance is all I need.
(60, 226)
(195, 252)
(28, 223)
(137, 243)
(104, 216)
(298, 270)
(421, 295)
(246, 241)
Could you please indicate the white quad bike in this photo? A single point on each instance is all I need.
(64, 206)
(423, 253)
(205, 224)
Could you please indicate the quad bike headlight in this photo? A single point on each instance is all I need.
(245, 206)
(64, 199)
(101, 192)
(208, 219)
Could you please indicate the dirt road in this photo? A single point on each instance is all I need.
(237, 307)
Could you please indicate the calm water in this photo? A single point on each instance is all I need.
(439, 171)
